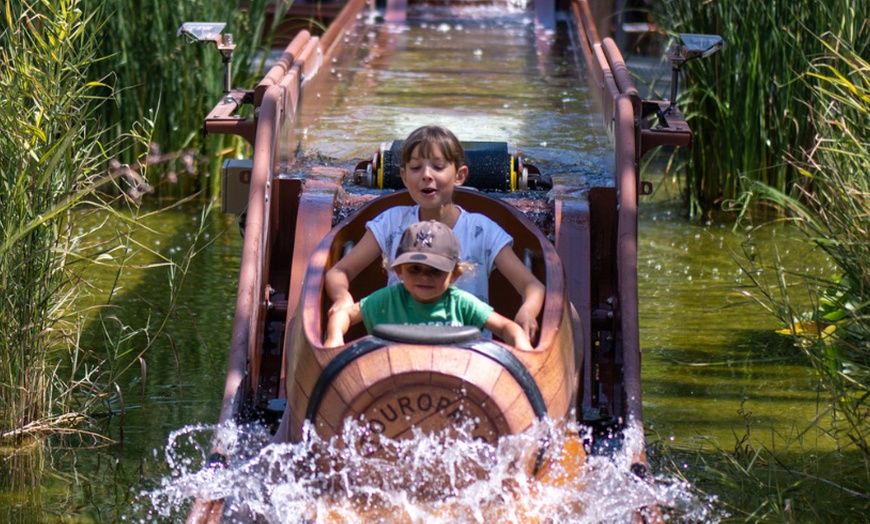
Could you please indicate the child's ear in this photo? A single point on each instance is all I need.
(461, 175)
(455, 274)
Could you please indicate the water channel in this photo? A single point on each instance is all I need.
(708, 353)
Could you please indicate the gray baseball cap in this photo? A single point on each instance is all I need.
(429, 243)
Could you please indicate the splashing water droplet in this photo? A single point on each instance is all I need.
(424, 478)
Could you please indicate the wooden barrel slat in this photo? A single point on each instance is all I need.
(407, 358)
(376, 390)
(518, 413)
(363, 399)
(507, 391)
(561, 378)
(372, 367)
(306, 360)
(351, 384)
(297, 403)
(332, 411)
(412, 377)
(559, 401)
(450, 361)
(486, 373)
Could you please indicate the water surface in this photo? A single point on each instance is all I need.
(707, 353)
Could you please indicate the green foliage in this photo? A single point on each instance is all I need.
(60, 217)
(50, 161)
(782, 120)
(747, 104)
(831, 208)
(754, 482)
(155, 70)
(96, 97)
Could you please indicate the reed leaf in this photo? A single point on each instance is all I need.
(47, 167)
(830, 206)
(748, 104)
(60, 165)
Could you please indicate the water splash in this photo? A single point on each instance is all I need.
(426, 478)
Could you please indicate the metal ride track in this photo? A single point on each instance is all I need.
(598, 236)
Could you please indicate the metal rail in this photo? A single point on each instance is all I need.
(625, 119)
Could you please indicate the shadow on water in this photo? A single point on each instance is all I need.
(707, 348)
(730, 405)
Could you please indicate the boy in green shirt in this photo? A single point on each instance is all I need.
(427, 263)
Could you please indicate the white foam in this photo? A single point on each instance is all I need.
(431, 479)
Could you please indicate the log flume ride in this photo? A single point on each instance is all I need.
(585, 365)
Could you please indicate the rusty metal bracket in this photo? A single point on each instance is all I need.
(223, 118)
(663, 125)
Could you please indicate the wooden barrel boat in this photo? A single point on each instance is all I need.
(432, 378)
(585, 364)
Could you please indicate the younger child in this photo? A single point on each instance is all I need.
(432, 167)
(427, 262)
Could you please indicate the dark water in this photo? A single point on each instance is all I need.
(707, 352)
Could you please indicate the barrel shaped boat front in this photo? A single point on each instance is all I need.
(431, 378)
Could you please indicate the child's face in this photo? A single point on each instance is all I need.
(425, 284)
(430, 181)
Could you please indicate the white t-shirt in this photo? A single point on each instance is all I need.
(480, 238)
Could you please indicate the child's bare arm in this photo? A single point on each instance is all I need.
(339, 322)
(509, 331)
(527, 285)
(339, 276)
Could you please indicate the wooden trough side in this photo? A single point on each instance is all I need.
(271, 235)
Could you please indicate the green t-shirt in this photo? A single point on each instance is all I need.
(394, 305)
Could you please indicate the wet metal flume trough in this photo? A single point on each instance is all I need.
(299, 218)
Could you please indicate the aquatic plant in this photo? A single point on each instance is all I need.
(830, 206)
(755, 480)
(747, 104)
(781, 122)
(51, 155)
(60, 216)
(152, 67)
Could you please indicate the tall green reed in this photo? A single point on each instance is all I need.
(159, 77)
(830, 206)
(58, 163)
(781, 122)
(52, 157)
(747, 104)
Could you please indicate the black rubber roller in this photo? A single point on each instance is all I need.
(491, 166)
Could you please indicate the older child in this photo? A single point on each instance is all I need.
(432, 167)
(427, 263)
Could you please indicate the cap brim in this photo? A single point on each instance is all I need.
(439, 262)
